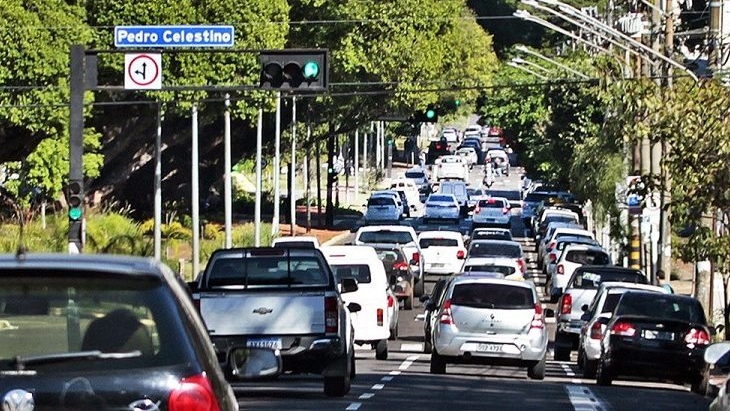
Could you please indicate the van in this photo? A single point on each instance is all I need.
(377, 318)
(458, 189)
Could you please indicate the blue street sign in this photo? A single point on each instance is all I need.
(632, 200)
(173, 36)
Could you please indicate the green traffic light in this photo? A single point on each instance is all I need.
(74, 213)
(457, 103)
(311, 70)
(430, 113)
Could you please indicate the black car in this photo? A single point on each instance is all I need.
(398, 270)
(95, 332)
(437, 149)
(655, 336)
(430, 307)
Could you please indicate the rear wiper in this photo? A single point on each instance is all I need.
(19, 363)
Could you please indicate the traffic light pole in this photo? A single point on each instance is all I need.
(76, 144)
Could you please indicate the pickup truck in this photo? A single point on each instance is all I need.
(284, 299)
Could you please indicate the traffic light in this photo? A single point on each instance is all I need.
(75, 200)
(294, 69)
(457, 102)
(430, 115)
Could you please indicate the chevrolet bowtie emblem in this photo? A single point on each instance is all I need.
(263, 310)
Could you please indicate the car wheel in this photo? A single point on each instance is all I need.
(419, 288)
(590, 368)
(561, 348)
(394, 332)
(700, 384)
(337, 386)
(427, 346)
(603, 374)
(438, 364)
(381, 350)
(408, 302)
(536, 371)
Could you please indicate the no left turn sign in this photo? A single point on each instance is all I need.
(142, 71)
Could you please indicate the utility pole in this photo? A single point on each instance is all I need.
(330, 210)
(292, 168)
(277, 166)
(714, 33)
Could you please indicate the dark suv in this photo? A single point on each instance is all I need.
(95, 332)
(437, 149)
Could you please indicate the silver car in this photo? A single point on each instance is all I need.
(493, 211)
(441, 207)
(490, 321)
(382, 208)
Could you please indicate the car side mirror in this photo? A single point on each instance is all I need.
(413, 262)
(255, 363)
(348, 285)
(354, 307)
(584, 308)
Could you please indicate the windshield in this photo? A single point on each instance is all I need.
(58, 313)
(588, 257)
(483, 249)
(387, 237)
(438, 242)
(491, 235)
(360, 272)
(592, 279)
(381, 201)
(271, 271)
(502, 269)
(492, 203)
(446, 199)
(497, 296)
(415, 174)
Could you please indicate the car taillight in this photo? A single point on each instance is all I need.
(193, 394)
(416, 257)
(696, 337)
(560, 269)
(552, 257)
(596, 331)
(401, 265)
(391, 301)
(505, 210)
(521, 264)
(537, 321)
(566, 304)
(623, 328)
(330, 315)
(446, 317)
(460, 254)
(380, 317)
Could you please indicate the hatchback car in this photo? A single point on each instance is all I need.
(382, 208)
(444, 251)
(490, 321)
(572, 257)
(491, 233)
(657, 337)
(498, 248)
(493, 211)
(92, 332)
(441, 207)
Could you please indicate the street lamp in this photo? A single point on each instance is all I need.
(536, 54)
(568, 9)
(525, 69)
(518, 60)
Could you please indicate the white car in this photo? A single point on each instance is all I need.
(470, 154)
(443, 251)
(377, 319)
(572, 257)
(450, 135)
(441, 207)
(420, 178)
(410, 189)
(451, 167)
(509, 267)
(553, 233)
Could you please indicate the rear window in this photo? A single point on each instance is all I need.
(661, 306)
(294, 244)
(387, 237)
(587, 257)
(490, 235)
(390, 257)
(495, 249)
(455, 189)
(538, 197)
(558, 219)
(610, 304)
(563, 235)
(441, 198)
(592, 279)
(438, 242)
(415, 174)
(360, 272)
(499, 296)
(502, 269)
(57, 312)
(492, 203)
(381, 201)
(270, 271)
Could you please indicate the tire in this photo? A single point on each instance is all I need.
(590, 368)
(353, 371)
(408, 302)
(394, 333)
(418, 288)
(561, 352)
(536, 371)
(381, 350)
(701, 385)
(337, 386)
(438, 364)
(604, 375)
(427, 346)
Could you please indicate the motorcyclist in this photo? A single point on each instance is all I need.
(488, 174)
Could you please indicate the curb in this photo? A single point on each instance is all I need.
(336, 238)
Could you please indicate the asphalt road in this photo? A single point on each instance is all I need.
(403, 382)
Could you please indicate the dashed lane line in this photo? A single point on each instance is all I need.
(354, 406)
(583, 399)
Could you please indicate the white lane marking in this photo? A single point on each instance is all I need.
(353, 406)
(394, 372)
(377, 387)
(569, 372)
(366, 396)
(583, 399)
(408, 362)
(387, 378)
(417, 347)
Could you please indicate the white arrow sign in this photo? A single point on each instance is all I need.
(142, 71)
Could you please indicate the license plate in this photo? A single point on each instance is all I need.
(489, 347)
(270, 343)
(657, 335)
(435, 265)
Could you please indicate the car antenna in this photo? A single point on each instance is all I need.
(22, 250)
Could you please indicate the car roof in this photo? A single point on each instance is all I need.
(576, 246)
(121, 264)
(386, 227)
(620, 286)
(489, 260)
(496, 241)
(465, 279)
(440, 234)
(439, 195)
(492, 230)
(481, 274)
(609, 268)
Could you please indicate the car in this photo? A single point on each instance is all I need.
(509, 310)
(458, 189)
(475, 194)
(382, 208)
(493, 211)
(403, 209)
(410, 190)
(553, 216)
(93, 332)
(717, 358)
(437, 149)
(498, 248)
(400, 275)
(491, 233)
(531, 202)
(441, 207)
(509, 267)
(500, 159)
(296, 241)
(469, 154)
(473, 129)
(419, 178)
(431, 303)
(443, 251)
(451, 167)
(572, 257)
(579, 291)
(450, 135)
(551, 254)
(514, 196)
(374, 324)
(594, 318)
(656, 337)
(554, 232)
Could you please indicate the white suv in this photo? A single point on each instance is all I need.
(443, 251)
(572, 257)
